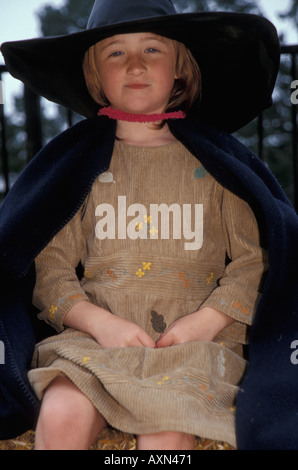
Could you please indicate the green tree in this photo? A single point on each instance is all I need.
(292, 13)
(70, 18)
(240, 6)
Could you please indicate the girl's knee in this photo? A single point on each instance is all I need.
(60, 403)
(67, 417)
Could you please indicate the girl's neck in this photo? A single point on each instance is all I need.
(142, 129)
(143, 134)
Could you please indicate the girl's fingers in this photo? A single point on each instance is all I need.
(165, 340)
(146, 341)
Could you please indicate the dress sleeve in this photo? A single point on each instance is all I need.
(239, 288)
(57, 286)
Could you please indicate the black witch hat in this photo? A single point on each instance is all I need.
(238, 55)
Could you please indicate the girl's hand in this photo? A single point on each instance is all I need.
(113, 331)
(107, 329)
(202, 325)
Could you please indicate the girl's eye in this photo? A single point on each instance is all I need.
(151, 50)
(115, 54)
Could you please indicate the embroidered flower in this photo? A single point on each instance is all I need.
(112, 274)
(238, 306)
(206, 390)
(139, 226)
(182, 275)
(209, 279)
(85, 360)
(153, 231)
(76, 296)
(52, 311)
(146, 266)
(87, 274)
(163, 381)
(140, 273)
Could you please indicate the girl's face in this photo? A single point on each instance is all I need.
(137, 71)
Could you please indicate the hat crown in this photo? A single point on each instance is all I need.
(111, 12)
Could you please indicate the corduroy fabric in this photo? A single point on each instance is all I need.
(151, 278)
(266, 408)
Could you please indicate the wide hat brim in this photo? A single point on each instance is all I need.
(238, 55)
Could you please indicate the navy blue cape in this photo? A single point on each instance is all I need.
(50, 191)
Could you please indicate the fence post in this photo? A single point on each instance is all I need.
(33, 123)
(4, 154)
(295, 132)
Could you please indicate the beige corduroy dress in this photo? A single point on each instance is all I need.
(154, 237)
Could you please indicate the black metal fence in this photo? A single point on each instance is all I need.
(33, 126)
(293, 52)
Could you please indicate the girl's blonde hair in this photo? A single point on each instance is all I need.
(187, 88)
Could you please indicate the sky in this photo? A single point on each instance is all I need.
(18, 20)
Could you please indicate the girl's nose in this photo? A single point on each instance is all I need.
(136, 65)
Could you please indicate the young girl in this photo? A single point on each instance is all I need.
(151, 335)
(128, 279)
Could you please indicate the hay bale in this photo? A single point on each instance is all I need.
(108, 439)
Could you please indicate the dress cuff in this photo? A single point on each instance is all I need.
(54, 313)
(241, 307)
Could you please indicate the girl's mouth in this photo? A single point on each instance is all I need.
(137, 86)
